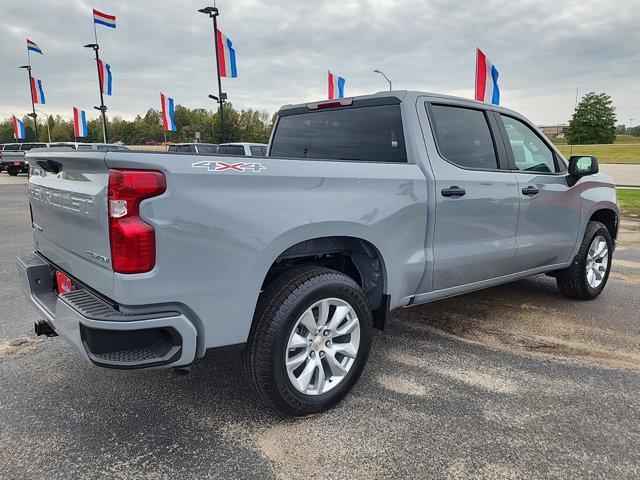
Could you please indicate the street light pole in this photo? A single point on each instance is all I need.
(385, 77)
(213, 14)
(33, 107)
(48, 129)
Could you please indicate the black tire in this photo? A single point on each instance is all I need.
(12, 171)
(277, 312)
(572, 282)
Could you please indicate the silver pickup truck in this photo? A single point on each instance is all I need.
(362, 206)
(12, 157)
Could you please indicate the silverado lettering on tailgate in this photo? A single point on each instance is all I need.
(61, 199)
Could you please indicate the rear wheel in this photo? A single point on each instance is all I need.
(12, 171)
(310, 342)
(588, 275)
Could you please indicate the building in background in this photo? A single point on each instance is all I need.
(554, 131)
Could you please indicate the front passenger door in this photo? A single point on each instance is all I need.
(549, 206)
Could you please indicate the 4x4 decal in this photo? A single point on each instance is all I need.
(216, 166)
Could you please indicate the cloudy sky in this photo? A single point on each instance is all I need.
(542, 49)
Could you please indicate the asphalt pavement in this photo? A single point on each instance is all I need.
(623, 174)
(510, 382)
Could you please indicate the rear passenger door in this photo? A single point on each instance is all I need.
(549, 203)
(476, 196)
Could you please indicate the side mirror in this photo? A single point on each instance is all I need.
(582, 165)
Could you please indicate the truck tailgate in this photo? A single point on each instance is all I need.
(68, 197)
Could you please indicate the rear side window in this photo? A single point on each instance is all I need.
(231, 150)
(463, 137)
(371, 134)
(12, 147)
(530, 153)
(257, 151)
(85, 147)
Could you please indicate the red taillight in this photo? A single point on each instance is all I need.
(133, 241)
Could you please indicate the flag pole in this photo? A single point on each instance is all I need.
(213, 13)
(102, 108)
(33, 106)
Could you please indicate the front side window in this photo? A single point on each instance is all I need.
(372, 133)
(531, 154)
(463, 137)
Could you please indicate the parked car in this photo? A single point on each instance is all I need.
(12, 157)
(364, 205)
(89, 146)
(197, 148)
(244, 149)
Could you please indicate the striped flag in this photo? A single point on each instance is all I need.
(104, 70)
(486, 80)
(100, 18)
(31, 46)
(336, 86)
(79, 123)
(168, 113)
(18, 129)
(226, 56)
(37, 92)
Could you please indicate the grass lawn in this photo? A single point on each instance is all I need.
(613, 153)
(629, 200)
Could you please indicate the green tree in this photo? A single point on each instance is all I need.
(594, 121)
(240, 126)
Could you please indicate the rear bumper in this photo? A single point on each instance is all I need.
(99, 331)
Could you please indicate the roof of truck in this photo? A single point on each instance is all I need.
(400, 96)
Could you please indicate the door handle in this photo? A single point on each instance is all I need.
(453, 191)
(530, 191)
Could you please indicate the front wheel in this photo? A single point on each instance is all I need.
(12, 171)
(310, 342)
(588, 275)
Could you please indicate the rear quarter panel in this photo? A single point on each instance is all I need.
(218, 232)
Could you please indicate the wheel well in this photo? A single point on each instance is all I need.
(608, 218)
(354, 257)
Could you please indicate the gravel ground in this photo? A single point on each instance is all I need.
(509, 382)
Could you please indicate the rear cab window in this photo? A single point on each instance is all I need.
(463, 137)
(371, 133)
